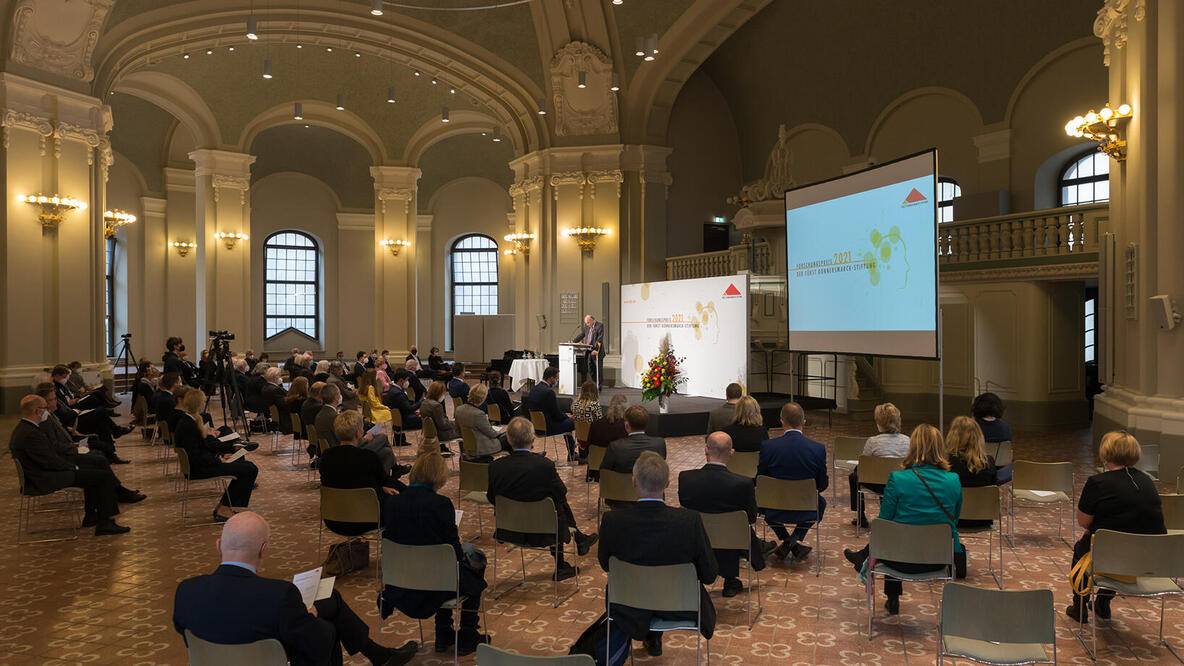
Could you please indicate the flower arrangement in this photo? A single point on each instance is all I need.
(662, 377)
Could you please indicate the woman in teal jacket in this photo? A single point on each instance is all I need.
(925, 492)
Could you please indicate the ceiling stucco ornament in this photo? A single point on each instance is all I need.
(58, 36)
(588, 110)
(403, 194)
(221, 181)
(27, 121)
(606, 176)
(1112, 24)
(567, 178)
(778, 174)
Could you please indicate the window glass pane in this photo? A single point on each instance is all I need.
(291, 267)
(1089, 307)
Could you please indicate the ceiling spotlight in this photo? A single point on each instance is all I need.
(444, 115)
(417, 72)
(434, 81)
(452, 90)
(341, 101)
(377, 10)
(252, 28)
(230, 49)
(618, 2)
(357, 55)
(307, 126)
(651, 47)
(185, 56)
(390, 95)
(616, 85)
(300, 46)
(542, 107)
(497, 135)
(640, 50)
(298, 112)
(209, 51)
(267, 68)
(582, 80)
(328, 49)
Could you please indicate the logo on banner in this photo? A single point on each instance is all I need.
(732, 292)
(914, 198)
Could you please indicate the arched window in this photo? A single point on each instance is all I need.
(1085, 180)
(947, 191)
(472, 272)
(109, 319)
(292, 271)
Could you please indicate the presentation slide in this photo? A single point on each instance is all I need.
(707, 321)
(862, 261)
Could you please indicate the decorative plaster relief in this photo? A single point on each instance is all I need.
(567, 178)
(588, 110)
(28, 121)
(1112, 24)
(396, 193)
(221, 181)
(778, 174)
(58, 36)
(606, 176)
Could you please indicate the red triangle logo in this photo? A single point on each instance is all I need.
(731, 291)
(914, 197)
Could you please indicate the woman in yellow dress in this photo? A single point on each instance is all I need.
(369, 393)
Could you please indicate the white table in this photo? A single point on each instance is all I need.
(523, 369)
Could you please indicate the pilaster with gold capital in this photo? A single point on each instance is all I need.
(395, 189)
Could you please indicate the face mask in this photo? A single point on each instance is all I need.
(44, 416)
(181, 348)
(61, 381)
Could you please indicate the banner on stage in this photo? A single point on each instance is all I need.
(707, 321)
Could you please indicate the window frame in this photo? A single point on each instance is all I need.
(455, 249)
(946, 204)
(1063, 182)
(109, 317)
(1090, 334)
(270, 243)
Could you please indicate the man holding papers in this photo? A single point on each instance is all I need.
(235, 605)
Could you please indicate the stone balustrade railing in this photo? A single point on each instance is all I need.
(1072, 230)
(722, 262)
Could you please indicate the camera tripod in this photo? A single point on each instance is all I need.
(228, 388)
(128, 356)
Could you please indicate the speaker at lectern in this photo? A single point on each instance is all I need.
(569, 353)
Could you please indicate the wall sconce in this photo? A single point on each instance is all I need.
(520, 242)
(113, 219)
(394, 245)
(230, 239)
(183, 247)
(587, 237)
(1107, 126)
(52, 207)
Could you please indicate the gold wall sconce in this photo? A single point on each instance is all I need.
(53, 207)
(520, 244)
(1107, 126)
(182, 247)
(394, 245)
(230, 238)
(113, 220)
(587, 237)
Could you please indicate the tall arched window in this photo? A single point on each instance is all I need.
(292, 271)
(472, 272)
(109, 318)
(947, 191)
(1085, 180)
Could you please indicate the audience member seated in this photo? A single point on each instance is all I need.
(469, 415)
(526, 476)
(498, 396)
(79, 400)
(326, 414)
(383, 372)
(542, 399)
(274, 395)
(889, 443)
(173, 361)
(457, 386)
(89, 420)
(722, 416)
(420, 369)
(311, 405)
(370, 393)
(793, 457)
(966, 453)
(747, 429)
(349, 397)
(164, 402)
(433, 408)
(294, 401)
(46, 470)
(144, 386)
(377, 443)
(359, 367)
(420, 516)
(586, 407)
(418, 391)
(208, 456)
(93, 425)
(649, 533)
(236, 605)
(715, 489)
(350, 466)
(436, 365)
(397, 400)
(98, 446)
(987, 409)
(624, 452)
(925, 492)
(77, 384)
(207, 374)
(1123, 498)
(322, 372)
(605, 431)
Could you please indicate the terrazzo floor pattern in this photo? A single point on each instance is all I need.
(109, 600)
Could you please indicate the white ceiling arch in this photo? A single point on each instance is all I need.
(460, 122)
(175, 96)
(320, 114)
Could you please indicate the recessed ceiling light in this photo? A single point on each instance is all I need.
(452, 90)
(185, 56)
(417, 72)
(300, 46)
(306, 126)
(252, 28)
(329, 49)
(230, 49)
(210, 52)
(357, 55)
(377, 10)
(434, 81)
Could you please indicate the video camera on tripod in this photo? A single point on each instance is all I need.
(228, 386)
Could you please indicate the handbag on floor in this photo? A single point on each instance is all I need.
(347, 557)
(1081, 575)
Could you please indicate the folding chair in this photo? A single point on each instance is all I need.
(457, 402)
(274, 426)
(430, 432)
(1173, 512)
(473, 483)
(495, 413)
(846, 457)
(397, 427)
(744, 463)
(996, 626)
(487, 655)
(468, 443)
(1004, 454)
(731, 531)
(1155, 560)
(540, 430)
(538, 517)
(785, 495)
(31, 501)
(983, 504)
(314, 440)
(873, 469)
(351, 505)
(616, 487)
(267, 652)
(670, 588)
(1043, 483)
(183, 462)
(581, 431)
(916, 544)
(429, 569)
(1149, 461)
(595, 458)
(297, 427)
(166, 444)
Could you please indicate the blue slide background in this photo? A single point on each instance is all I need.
(904, 296)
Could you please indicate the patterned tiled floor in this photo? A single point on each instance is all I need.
(109, 600)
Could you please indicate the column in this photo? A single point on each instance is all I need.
(148, 282)
(179, 312)
(395, 286)
(52, 296)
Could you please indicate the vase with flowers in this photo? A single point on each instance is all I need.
(663, 376)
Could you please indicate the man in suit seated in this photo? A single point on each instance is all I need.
(236, 605)
(713, 488)
(94, 415)
(164, 402)
(457, 386)
(542, 399)
(649, 533)
(725, 414)
(47, 471)
(794, 457)
(526, 476)
(379, 444)
(396, 398)
(415, 386)
(312, 404)
(623, 453)
(349, 396)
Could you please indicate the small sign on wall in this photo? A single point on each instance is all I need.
(569, 306)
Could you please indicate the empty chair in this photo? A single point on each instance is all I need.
(1149, 461)
(875, 470)
(267, 652)
(1173, 512)
(30, 504)
(846, 457)
(730, 531)
(983, 504)
(916, 544)
(996, 626)
(1043, 483)
(785, 495)
(487, 655)
(670, 588)
(1004, 453)
(472, 486)
(529, 518)
(744, 463)
(350, 505)
(297, 429)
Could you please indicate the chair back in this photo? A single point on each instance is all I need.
(1030, 475)
(998, 616)
(617, 486)
(20, 475)
(874, 469)
(1149, 461)
(350, 505)
(1004, 454)
(581, 431)
(425, 568)
(487, 655)
(916, 544)
(474, 477)
(456, 401)
(140, 405)
(980, 503)
(1173, 510)
(275, 414)
(396, 420)
(495, 413)
(849, 448)
(368, 413)
(182, 460)
(744, 463)
(296, 426)
(468, 443)
(526, 517)
(595, 457)
(267, 652)
(784, 495)
(669, 588)
(429, 428)
(166, 435)
(310, 431)
(539, 422)
(1125, 554)
(727, 531)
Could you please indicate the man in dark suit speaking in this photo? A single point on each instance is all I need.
(793, 456)
(236, 605)
(592, 335)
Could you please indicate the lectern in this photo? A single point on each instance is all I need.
(569, 354)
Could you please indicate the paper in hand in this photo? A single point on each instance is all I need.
(459, 515)
(376, 430)
(228, 438)
(236, 455)
(312, 587)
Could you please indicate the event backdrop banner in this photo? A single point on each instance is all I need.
(707, 321)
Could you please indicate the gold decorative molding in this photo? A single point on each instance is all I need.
(40, 125)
